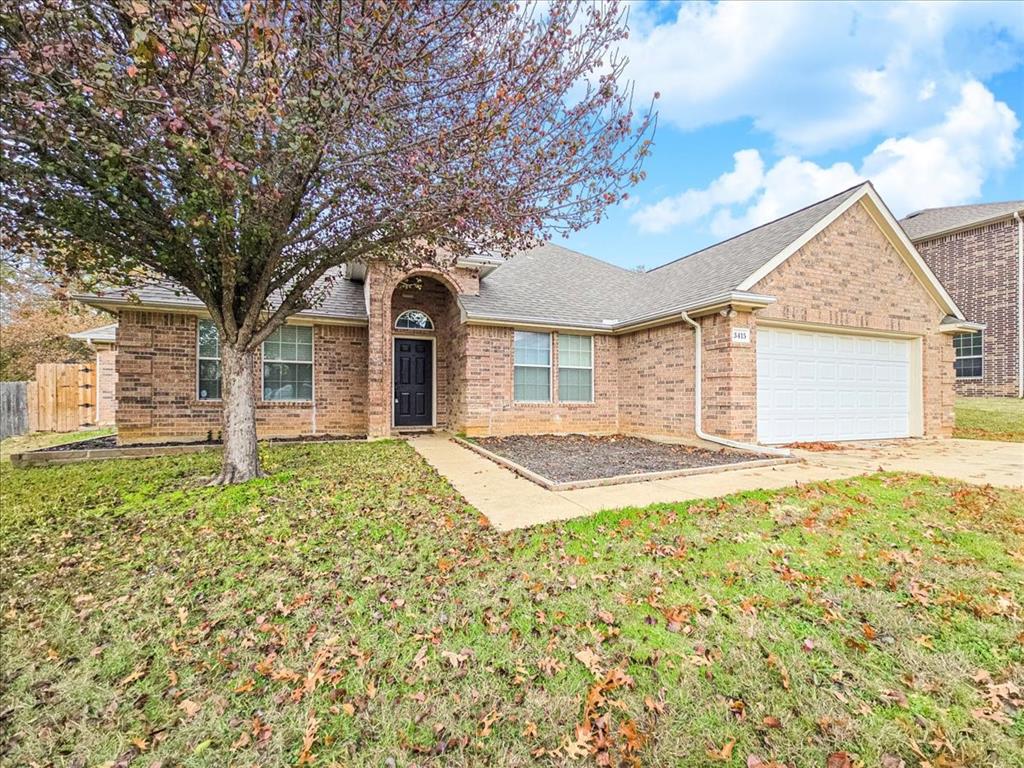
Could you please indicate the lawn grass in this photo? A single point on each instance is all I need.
(351, 610)
(37, 440)
(990, 418)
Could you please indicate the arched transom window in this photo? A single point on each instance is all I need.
(414, 320)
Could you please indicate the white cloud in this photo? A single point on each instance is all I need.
(818, 76)
(943, 164)
(735, 186)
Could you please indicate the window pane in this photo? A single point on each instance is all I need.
(289, 343)
(574, 385)
(414, 319)
(209, 380)
(967, 344)
(533, 384)
(574, 350)
(287, 381)
(532, 348)
(209, 344)
(968, 367)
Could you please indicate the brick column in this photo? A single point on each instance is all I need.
(379, 285)
(729, 380)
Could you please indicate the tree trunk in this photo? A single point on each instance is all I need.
(241, 459)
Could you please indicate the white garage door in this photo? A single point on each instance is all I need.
(831, 386)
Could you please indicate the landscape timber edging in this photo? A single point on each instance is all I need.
(638, 477)
(44, 457)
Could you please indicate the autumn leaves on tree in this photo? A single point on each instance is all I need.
(242, 151)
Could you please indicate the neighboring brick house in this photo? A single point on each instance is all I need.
(104, 341)
(977, 252)
(824, 324)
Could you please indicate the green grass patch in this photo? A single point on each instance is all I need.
(39, 440)
(351, 609)
(990, 418)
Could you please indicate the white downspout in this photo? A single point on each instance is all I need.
(697, 405)
(1020, 304)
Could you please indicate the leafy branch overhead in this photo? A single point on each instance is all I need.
(245, 150)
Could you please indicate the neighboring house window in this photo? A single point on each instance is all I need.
(209, 361)
(968, 355)
(532, 367)
(414, 320)
(575, 368)
(288, 364)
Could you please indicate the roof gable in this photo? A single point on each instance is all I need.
(934, 222)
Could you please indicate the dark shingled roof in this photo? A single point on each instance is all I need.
(930, 222)
(556, 285)
(344, 299)
(553, 285)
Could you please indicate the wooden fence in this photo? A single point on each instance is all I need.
(13, 408)
(62, 398)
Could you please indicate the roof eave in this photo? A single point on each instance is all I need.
(744, 300)
(955, 325)
(114, 304)
(1007, 216)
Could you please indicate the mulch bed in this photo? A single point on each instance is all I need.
(110, 441)
(570, 458)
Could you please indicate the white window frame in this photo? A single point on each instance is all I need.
(311, 364)
(429, 329)
(980, 357)
(199, 358)
(550, 366)
(576, 367)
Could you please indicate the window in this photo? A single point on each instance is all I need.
(414, 320)
(209, 361)
(968, 355)
(532, 378)
(575, 368)
(288, 364)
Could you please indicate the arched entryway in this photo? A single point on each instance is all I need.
(424, 324)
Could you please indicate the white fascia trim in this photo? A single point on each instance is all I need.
(113, 305)
(932, 280)
(945, 301)
(963, 326)
(740, 298)
(773, 263)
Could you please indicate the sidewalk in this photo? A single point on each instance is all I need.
(510, 502)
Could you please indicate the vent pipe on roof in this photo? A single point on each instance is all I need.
(698, 404)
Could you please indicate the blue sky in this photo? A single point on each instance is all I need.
(766, 107)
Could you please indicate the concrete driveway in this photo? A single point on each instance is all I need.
(973, 461)
(510, 502)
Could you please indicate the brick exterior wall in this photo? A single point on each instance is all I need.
(729, 383)
(656, 396)
(488, 403)
(106, 384)
(387, 298)
(156, 384)
(978, 268)
(850, 275)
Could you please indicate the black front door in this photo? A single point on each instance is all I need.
(414, 383)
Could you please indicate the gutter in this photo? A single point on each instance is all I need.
(698, 405)
(1020, 304)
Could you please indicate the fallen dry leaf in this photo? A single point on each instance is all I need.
(724, 754)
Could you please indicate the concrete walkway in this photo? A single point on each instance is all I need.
(510, 502)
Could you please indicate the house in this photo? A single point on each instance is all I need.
(824, 324)
(977, 252)
(104, 341)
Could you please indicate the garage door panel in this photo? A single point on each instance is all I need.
(828, 386)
